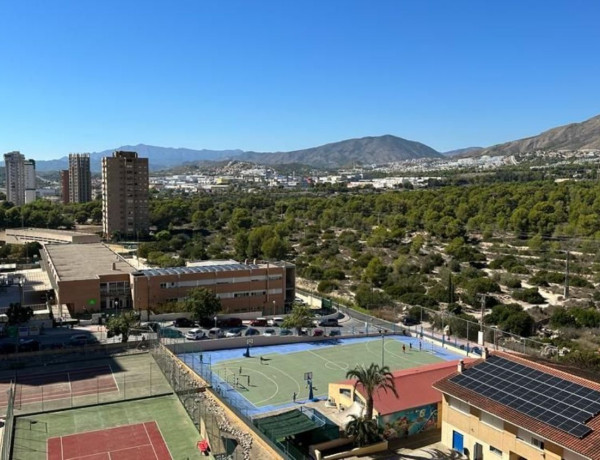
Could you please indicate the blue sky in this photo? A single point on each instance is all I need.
(81, 76)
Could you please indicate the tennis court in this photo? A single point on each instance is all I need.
(80, 383)
(154, 428)
(274, 376)
(128, 442)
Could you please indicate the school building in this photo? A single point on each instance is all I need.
(507, 407)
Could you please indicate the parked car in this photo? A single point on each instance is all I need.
(229, 322)
(235, 332)
(335, 332)
(299, 300)
(79, 340)
(170, 333)
(26, 345)
(183, 322)
(329, 322)
(251, 331)
(215, 333)
(259, 322)
(195, 334)
(269, 332)
(275, 322)
(318, 332)
(284, 332)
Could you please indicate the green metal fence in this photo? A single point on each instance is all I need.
(8, 425)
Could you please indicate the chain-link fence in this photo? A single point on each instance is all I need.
(9, 420)
(75, 384)
(226, 439)
(190, 392)
(88, 352)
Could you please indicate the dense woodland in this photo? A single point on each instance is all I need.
(393, 251)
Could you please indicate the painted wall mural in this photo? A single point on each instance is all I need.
(409, 422)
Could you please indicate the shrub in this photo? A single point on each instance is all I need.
(327, 286)
(529, 295)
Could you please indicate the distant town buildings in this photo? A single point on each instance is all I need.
(79, 177)
(20, 179)
(125, 194)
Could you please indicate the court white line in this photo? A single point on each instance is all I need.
(70, 384)
(113, 376)
(163, 438)
(327, 360)
(151, 443)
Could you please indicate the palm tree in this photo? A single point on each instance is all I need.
(363, 430)
(372, 378)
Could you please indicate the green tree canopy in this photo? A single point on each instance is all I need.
(121, 325)
(202, 303)
(371, 379)
(301, 316)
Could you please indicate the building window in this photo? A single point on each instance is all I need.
(345, 391)
(495, 451)
(459, 405)
(537, 443)
(492, 421)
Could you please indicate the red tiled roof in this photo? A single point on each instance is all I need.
(588, 446)
(414, 387)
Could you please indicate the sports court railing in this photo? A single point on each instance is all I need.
(95, 382)
(9, 421)
(23, 360)
(205, 414)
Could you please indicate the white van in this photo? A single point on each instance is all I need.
(215, 333)
(275, 322)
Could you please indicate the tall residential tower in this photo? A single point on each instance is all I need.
(30, 188)
(80, 180)
(15, 177)
(124, 194)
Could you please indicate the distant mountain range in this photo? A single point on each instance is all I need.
(575, 136)
(463, 152)
(365, 150)
(159, 157)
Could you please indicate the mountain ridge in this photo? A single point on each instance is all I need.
(365, 150)
(573, 136)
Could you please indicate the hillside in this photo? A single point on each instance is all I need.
(160, 157)
(575, 136)
(463, 152)
(366, 150)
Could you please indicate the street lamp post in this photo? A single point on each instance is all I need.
(215, 318)
(382, 347)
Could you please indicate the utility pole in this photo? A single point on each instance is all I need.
(482, 311)
(566, 291)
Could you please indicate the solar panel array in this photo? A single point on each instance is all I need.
(198, 269)
(558, 402)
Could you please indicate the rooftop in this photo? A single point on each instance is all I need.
(85, 261)
(16, 235)
(420, 379)
(587, 444)
(208, 267)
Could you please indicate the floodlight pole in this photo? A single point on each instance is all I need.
(382, 347)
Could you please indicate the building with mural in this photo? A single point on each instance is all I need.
(416, 409)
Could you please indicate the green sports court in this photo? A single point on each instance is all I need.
(273, 375)
(98, 426)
